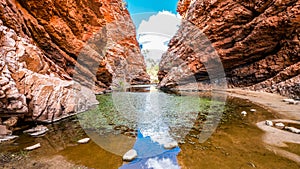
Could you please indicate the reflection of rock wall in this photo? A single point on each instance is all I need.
(257, 41)
(46, 44)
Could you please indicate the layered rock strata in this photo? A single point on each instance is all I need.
(257, 43)
(55, 54)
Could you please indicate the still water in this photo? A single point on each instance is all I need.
(210, 132)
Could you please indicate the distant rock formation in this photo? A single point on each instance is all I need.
(55, 54)
(257, 42)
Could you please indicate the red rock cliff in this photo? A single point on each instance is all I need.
(257, 42)
(45, 45)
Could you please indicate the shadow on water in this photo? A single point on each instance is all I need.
(236, 143)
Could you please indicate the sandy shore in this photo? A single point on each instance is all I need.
(274, 138)
(269, 101)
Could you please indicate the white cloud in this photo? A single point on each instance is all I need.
(155, 33)
(163, 22)
(164, 163)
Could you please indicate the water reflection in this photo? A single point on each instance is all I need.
(158, 118)
(161, 158)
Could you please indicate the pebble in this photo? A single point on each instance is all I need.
(171, 145)
(38, 145)
(269, 123)
(83, 141)
(130, 155)
(252, 110)
(292, 129)
(244, 113)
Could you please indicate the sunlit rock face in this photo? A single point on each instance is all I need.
(56, 54)
(257, 43)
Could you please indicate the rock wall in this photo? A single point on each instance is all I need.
(256, 41)
(55, 54)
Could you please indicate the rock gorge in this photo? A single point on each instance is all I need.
(55, 54)
(257, 42)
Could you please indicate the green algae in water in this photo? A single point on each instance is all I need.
(132, 109)
(236, 143)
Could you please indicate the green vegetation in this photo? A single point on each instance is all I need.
(152, 71)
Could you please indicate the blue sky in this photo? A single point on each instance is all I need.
(140, 6)
(143, 9)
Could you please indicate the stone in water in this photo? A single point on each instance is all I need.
(7, 138)
(130, 155)
(38, 145)
(244, 113)
(170, 145)
(39, 133)
(83, 141)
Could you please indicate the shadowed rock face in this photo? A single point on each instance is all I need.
(257, 42)
(47, 45)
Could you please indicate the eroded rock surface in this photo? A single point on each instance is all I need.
(55, 54)
(29, 92)
(256, 41)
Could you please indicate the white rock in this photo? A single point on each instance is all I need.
(36, 129)
(38, 133)
(38, 145)
(8, 138)
(290, 101)
(83, 141)
(293, 130)
(252, 110)
(130, 155)
(269, 123)
(279, 125)
(293, 102)
(287, 100)
(171, 145)
(244, 113)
